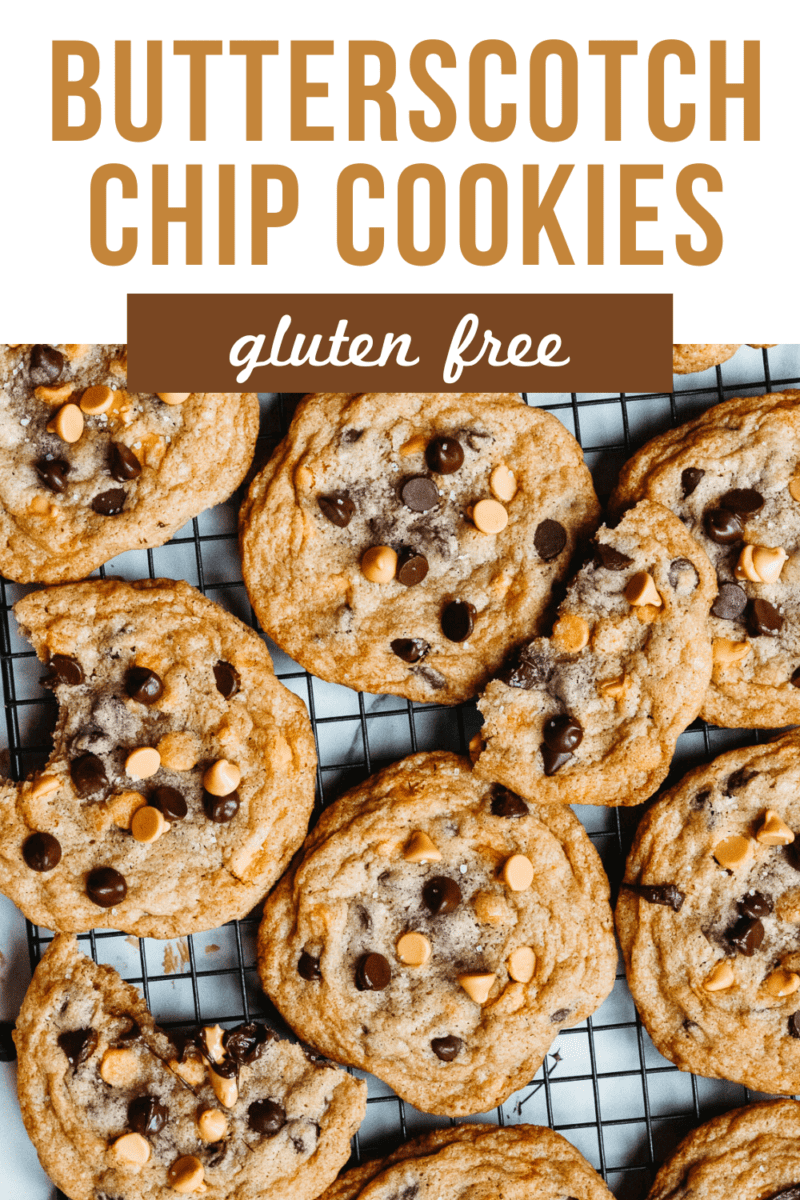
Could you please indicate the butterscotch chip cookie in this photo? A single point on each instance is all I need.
(90, 470)
(404, 542)
(687, 358)
(591, 715)
(113, 834)
(521, 1162)
(751, 1153)
(261, 1119)
(708, 919)
(732, 476)
(458, 1027)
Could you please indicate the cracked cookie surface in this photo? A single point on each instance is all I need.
(439, 932)
(182, 776)
(403, 542)
(118, 1108)
(90, 470)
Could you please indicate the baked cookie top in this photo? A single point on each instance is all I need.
(439, 933)
(751, 1153)
(591, 715)
(403, 542)
(182, 775)
(690, 357)
(732, 476)
(708, 919)
(90, 470)
(118, 1108)
(476, 1161)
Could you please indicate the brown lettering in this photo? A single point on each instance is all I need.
(477, 91)
(418, 64)
(692, 207)
(569, 91)
(539, 214)
(254, 83)
(749, 91)
(198, 52)
(64, 87)
(191, 215)
(98, 215)
(630, 214)
(656, 88)
(302, 90)
(613, 52)
(262, 220)
(405, 215)
(344, 215)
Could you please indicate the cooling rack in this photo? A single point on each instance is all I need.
(603, 1085)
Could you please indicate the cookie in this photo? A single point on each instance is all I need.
(732, 476)
(519, 1162)
(687, 358)
(439, 933)
(182, 776)
(709, 916)
(751, 1153)
(89, 469)
(118, 1108)
(591, 715)
(404, 542)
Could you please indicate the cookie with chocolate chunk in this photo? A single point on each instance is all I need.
(515, 1163)
(182, 775)
(404, 542)
(439, 932)
(751, 1153)
(732, 475)
(117, 1107)
(709, 915)
(91, 469)
(591, 714)
(688, 357)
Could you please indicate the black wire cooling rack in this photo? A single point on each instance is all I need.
(603, 1085)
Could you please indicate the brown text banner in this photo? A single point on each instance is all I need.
(417, 342)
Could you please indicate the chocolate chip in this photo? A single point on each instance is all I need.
(611, 559)
(763, 619)
(227, 1069)
(723, 526)
(143, 685)
(186, 1042)
(790, 1193)
(227, 679)
(441, 895)
(794, 1025)
(63, 669)
(738, 779)
(53, 473)
(170, 802)
(561, 1015)
(411, 650)
(549, 539)
(730, 602)
(147, 1115)
(447, 1048)
(444, 455)
(265, 1116)
(78, 1044)
(412, 567)
(109, 503)
(308, 968)
(419, 493)
(105, 887)
(433, 678)
(795, 680)
(683, 574)
(662, 893)
(755, 904)
(746, 935)
(553, 760)
(123, 463)
(133, 1031)
(372, 973)
(527, 671)
(8, 1051)
(247, 1042)
(508, 804)
(457, 620)
(47, 363)
(349, 436)
(220, 809)
(337, 508)
(690, 477)
(41, 851)
(88, 774)
(562, 733)
(701, 799)
(742, 501)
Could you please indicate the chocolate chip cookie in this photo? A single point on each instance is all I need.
(751, 1154)
(90, 469)
(733, 477)
(687, 358)
(182, 776)
(439, 933)
(591, 715)
(404, 542)
(118, 1108)
(709, 914)
(471, 1161)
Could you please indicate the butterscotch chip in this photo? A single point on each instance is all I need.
(616, 688)
(67, 423)
(721, 977)
(222, 778)
(96, 400)
(788, 906)
(131, 1148)
(186, 1174)
(491, 909)
(213, 1037)
(54, 395)
(745, 568)
(571, 633)
(521, 964)
(774, 831)
(212, 1125)
(413, 949)
(45, 785)
(518, 873)
(173, 397)
(379, 564)
(794, 488)
(641, 590)
(40, 505)
(148, 824)
(420, 848)
(192, 1071)
(226, 1090)
(727, 651)
(768, 562)
(122, 807)
(119, 1067)
(489, 516)
(734, 851)
(477, 987)
(782, 983)
(179, 751)
(503, 483)
(414, 445)
(142, 762)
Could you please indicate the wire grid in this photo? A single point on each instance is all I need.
(603, 1085)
